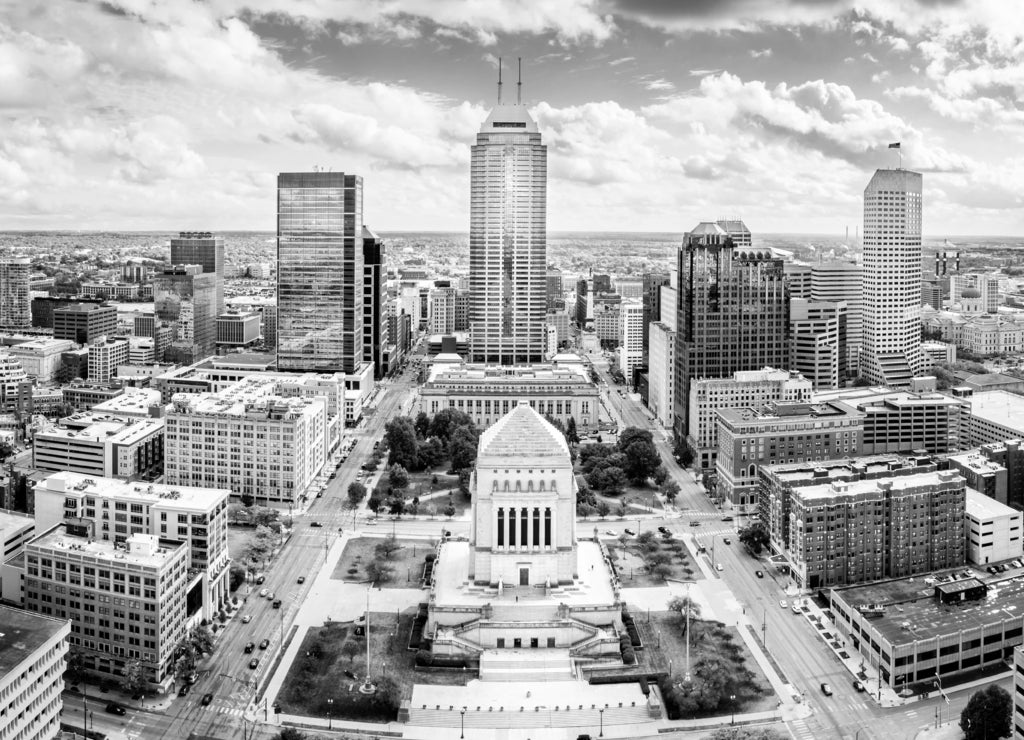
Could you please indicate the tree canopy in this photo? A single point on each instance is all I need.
(755, 537)
(988, 714)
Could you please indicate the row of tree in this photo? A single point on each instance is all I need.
(425, 442)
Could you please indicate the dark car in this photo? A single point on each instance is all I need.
(315, 524)
(264, 643)
(759, 573)
(115, 708)
(726, 518)
(207, 698)
(250, 646)
(254, 662)
(260, 579)
(826, 689)
(663, 530)
(858, 685)
(301, 579)
(630, 532)
(276, 604)
(694, 524)
(350, 674)
(320, 494)
(183, 691)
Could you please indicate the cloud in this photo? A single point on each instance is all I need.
(620, 60)
(657, 84)
(760, 53)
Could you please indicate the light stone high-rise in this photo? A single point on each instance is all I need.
(508, 238)
(891, 351)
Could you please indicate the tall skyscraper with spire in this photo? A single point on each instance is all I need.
(891, 351)
(508, 237)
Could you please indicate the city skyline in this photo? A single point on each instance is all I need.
(655, 116)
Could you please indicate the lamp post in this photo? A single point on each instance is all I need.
(462, 723)
(600, 713)
(732, 701)
(330, 711)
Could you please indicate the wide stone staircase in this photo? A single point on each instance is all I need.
(526, 665)
(500, 717)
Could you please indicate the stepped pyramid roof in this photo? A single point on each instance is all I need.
(522, 433)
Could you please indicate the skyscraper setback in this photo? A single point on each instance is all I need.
(319, 271)
(508, 237)
(733, 311)
(891, 352)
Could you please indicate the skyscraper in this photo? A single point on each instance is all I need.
(319, 271)
(205, 249)
(733, 311)
(186, 299)
(891, 351)
(15, 304)
(508, 237)
(653, 282)
(836, 282)
(375, 322)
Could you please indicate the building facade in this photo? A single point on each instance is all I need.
(41, 357)
(375, 321)
(993, 530)
(105, 355)
(842, 282)
(508, 239)
(33, 652)
(631, 338)
(15, 301)
(818, 330)
(204, 249)
(100, 444)
(84, 323)
(891, 352)
(186, 299)
(733, 312)
(238, 328)
(319, 271)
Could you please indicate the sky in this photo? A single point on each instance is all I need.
(657, 114)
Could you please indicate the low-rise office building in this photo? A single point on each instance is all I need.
(563, 389)
(126, 602)
(105, 355)
(751, 437)
(1009, 455)
(100, 444)
(82, 395)
(139, 403)
(84, 323)
(250, 438)
(994, 416)
(993, 530)
(982, 474)
(16, 529)
(238, 328)
(915, 633)
(196, 516)
(33, 651)
(41, 357)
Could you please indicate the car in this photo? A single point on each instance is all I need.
(183, 691)
(759, 573)
(246, 619)
(115, 708)
(447, 533)
(320, 494)
(264, 592)
(701, 548)
(270, 596)
(991, 569)
(1018, 563)
(796, 608)
(719, 567)
(694, 524)
(249, 646)
(350, 674)
(726, 518)
(611, 533)
(726, 540)
(663, 530)
(276, 604)
(783, 603)
(260, 579)
(858, 685)
(316, 525)
(264, 643)
(254, 662)
(826, 689)
(300, 579)
(630, 532)
(207, 698)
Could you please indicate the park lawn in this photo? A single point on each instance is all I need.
(633, 573)
(407, 561)
(239, 539)
(311, 681)
(712, 639)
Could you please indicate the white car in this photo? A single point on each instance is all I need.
(783, 603)
(611, 533)
(264, 592)
(719, 567)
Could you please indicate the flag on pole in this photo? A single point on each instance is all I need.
(895, 145)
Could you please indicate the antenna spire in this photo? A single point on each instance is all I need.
(499, 80)
(519, 85)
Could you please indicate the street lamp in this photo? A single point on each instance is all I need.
(600, 713)
(462, 723)
(330, 711)
(732, 700)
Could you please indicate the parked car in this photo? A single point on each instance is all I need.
(115, 708)
(246, 619)
(611, 533)
(264, 643)
(858, 685)
(719, 567)
(759, 573)
(726, 518)
(276, 604)
(320, 494)
(254, 662)
(726, 540)
(315, 524)
(796, 608)
(260, 579)
(694, 524)
(630, 532)
(663, 530)
(250, 646)
(826, 689)
(300, 579)
(270, 596)
(264, 592)
(183, 691)
(207, 698)
(783, 603)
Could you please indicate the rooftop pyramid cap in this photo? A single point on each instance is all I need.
(507, 118)
(708, 227)
(523, 433)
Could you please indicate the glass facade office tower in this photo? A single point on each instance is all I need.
(891, 351)
(205, 249)
(732, 314)
(186, 299)
(319, 271)
(508, 239)
(375, 321)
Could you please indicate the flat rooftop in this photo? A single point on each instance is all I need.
(158, 495)
(841, 468)
(134, 401)
(984, 507)
(251, 394)
(914, 613)
(795, 411)
(998, 407)
(57, 539)
(976, 462)
(871, 485)
(22, 633)
(12, 520)
(593, 587)
(89, 426)
(41, 344)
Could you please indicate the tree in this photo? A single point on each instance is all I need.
(350, 649)
(682, 604)
(642, 459)
(264, 516)
(988, 714)
(449, 511)
(447, 421)
(603, 509)
(290, 733)
(400, 438)
(671, 489)
(661, 570)
(660, 475)
(356, 492)
(630, 435)
(75, 668)
(685, 456)
(570, 431)
(614, 480)
(422, 425)
(133, 678)
(374, 503)
(462, 448)
(6, 450)
(379, 572)
(398, 477)
(201, 639)
(387, 547)
(755, 538)
(746, 733)
(429, 453)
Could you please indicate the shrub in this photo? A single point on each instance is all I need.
(431, 557)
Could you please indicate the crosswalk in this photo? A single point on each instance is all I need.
(233, 711)
(798, 729)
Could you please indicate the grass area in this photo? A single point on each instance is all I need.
(318, 673)
(633, 569)
(664, 639)
(407, 561)
(239, 539)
